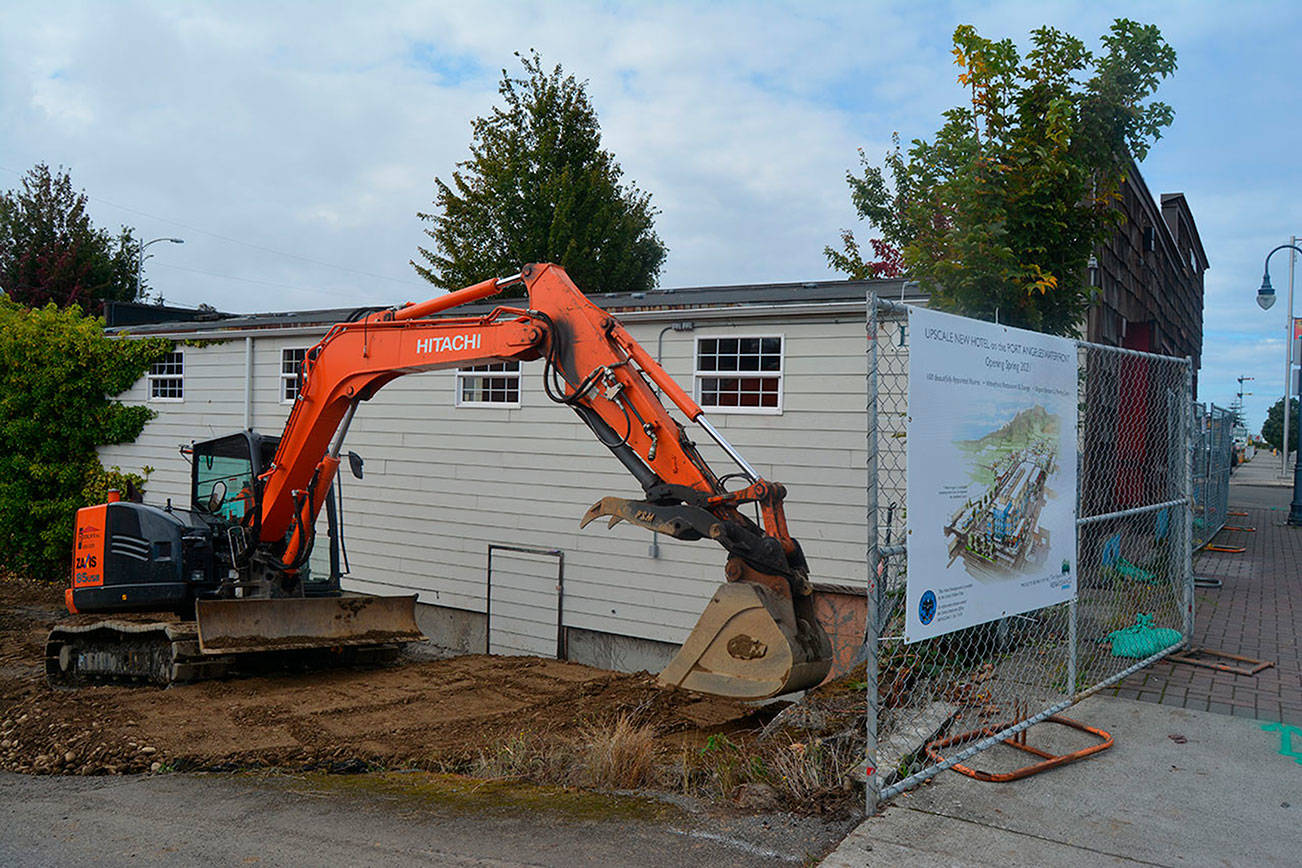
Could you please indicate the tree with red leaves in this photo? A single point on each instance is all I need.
(51, 252)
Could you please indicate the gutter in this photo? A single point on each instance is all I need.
(727, 312)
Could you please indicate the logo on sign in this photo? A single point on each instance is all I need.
(87, 537)
(449, 344)
(927, 607)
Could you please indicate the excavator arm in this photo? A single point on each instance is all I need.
(758, 636)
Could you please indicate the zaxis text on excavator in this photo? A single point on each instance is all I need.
(237, 557)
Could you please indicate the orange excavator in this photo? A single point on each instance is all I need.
(237, 559)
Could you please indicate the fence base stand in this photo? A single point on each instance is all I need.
(1018, 741)
(1234, 550)
(1206, 582)
(1194, 657)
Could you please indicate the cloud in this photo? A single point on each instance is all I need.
(277, 137)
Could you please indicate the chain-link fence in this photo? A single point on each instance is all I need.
(1213, 445)
(933, 704)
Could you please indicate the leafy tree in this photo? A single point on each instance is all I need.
(538, 187)
(57, 371)
(851, 261)
(50, 251)
(1273, 429)
(1002, 210)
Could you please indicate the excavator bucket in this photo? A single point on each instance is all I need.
(245, 626)
(749, 643)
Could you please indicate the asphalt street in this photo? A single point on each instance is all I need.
(180, 819)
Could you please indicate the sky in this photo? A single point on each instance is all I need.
(291, 145)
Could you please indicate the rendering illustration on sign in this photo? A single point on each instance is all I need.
(992, 472)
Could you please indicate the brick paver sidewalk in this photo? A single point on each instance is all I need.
(1253, 614)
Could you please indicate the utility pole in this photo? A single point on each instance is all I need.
(141, 257)
(1238, 402)
(1288, 355)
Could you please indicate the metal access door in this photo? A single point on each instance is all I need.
(525, 592)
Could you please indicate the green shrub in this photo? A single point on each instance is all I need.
(58, 375)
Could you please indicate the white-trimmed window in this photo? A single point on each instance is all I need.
(739, 374)
(167, 378)
(496, 384)
(291, 360)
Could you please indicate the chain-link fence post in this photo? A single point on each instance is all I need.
(872, 789)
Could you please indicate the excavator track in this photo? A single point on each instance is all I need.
(128, 652)
(166, 653)
(232, 637)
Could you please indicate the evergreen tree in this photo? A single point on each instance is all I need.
(538, 187)
(51, 252)
(1003, 209)
(1272, 431)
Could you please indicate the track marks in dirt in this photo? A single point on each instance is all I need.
(429, 714)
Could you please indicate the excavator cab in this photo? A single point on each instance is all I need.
(223, 473)
(263, 609)
(224, 491)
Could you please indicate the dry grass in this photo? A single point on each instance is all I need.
(804, 771)
(803, 774)
(528, 756)
(620, 757)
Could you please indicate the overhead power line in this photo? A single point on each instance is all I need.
(337, 292)
(191, 228)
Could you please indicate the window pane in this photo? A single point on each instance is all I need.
(756, 364)
(491, 383)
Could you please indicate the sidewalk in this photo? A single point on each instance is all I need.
(1254, 613)
(1178, 788)
(1206, 768)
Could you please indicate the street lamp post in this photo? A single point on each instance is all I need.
(140, 260)
(1266, 299)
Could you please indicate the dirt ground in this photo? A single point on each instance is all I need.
(450, 715)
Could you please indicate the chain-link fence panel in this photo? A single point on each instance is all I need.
(933, 704)
(1200, 447)
(1213, 447)
(1220, 460)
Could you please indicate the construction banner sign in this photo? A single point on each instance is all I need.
(991, 472)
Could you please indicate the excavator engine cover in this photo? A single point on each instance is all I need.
(245, 626)
(751, 643)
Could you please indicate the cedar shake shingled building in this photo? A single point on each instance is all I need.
(1150, 277)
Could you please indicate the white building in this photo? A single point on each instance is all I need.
(458, 461)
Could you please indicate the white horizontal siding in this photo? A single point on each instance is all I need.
(443, 482)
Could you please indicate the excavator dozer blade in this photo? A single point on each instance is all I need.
(287, 623)
(748, 644)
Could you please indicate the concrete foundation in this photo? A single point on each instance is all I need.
(451, 631)
(455, 631)
(620, 653)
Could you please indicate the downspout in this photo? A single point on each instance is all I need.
(681, 326)
(248, 382)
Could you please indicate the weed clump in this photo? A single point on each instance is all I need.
(619, 757)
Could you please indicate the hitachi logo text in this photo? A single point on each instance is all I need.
(455, 343)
